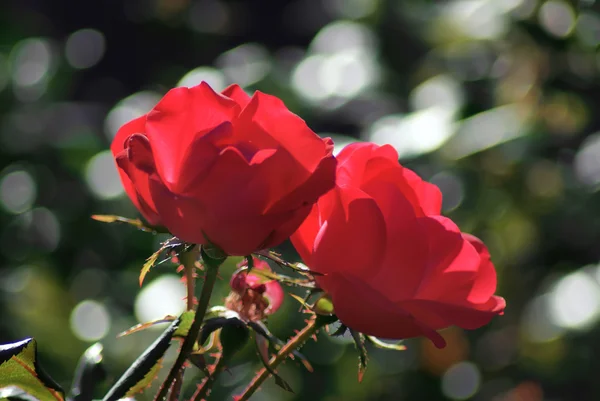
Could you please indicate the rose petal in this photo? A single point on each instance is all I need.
(237, 94)
(357, 224)
(268, 121)
(135, 182)
(486, 280)
(304, 237)
(178, 120)
(406, 249)
(451, 260)
(362, 308)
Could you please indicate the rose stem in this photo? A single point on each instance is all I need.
(212, 258)
(188, 260)
(294, 343)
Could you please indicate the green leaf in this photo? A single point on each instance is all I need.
(216, 323)
(359, 341)
(20, 372)
(381, 344)
(185, 322)
(89, 373)
(234, 335)
(141, 373)
(137, 223)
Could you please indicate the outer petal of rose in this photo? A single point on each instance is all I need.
(320, 182)
(353, 238)
(217, 212)
(352, 162)
(178, 119)
(238, 94)
(426, 198)
(453, 263)
(486, 281)
(267, 121)
(439, 315)
(290, 223)
(239, 238)
(406, 248)
(304, 237)
(429, 195)
(188, 219)
(364, 309)
(143, 203)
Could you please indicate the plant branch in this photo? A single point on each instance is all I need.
(177, 384)
(293, 344)
(212, 259)
(188, 260)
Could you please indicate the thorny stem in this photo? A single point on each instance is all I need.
(176, 389)
(188, 260)
(294, 343)
(204, 389)
(212, 259)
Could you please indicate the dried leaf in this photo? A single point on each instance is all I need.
(137, 223)
(174, 244)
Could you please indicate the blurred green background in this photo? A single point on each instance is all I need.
(495, 101)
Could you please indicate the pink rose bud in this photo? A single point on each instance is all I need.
(254, 296)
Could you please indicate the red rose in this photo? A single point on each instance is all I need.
(239, 172)
(394, 268)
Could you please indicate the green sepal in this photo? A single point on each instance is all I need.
(359, 341)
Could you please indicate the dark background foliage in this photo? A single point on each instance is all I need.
(493, 100)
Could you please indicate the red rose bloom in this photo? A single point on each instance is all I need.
(241, 172)
(394, 268)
